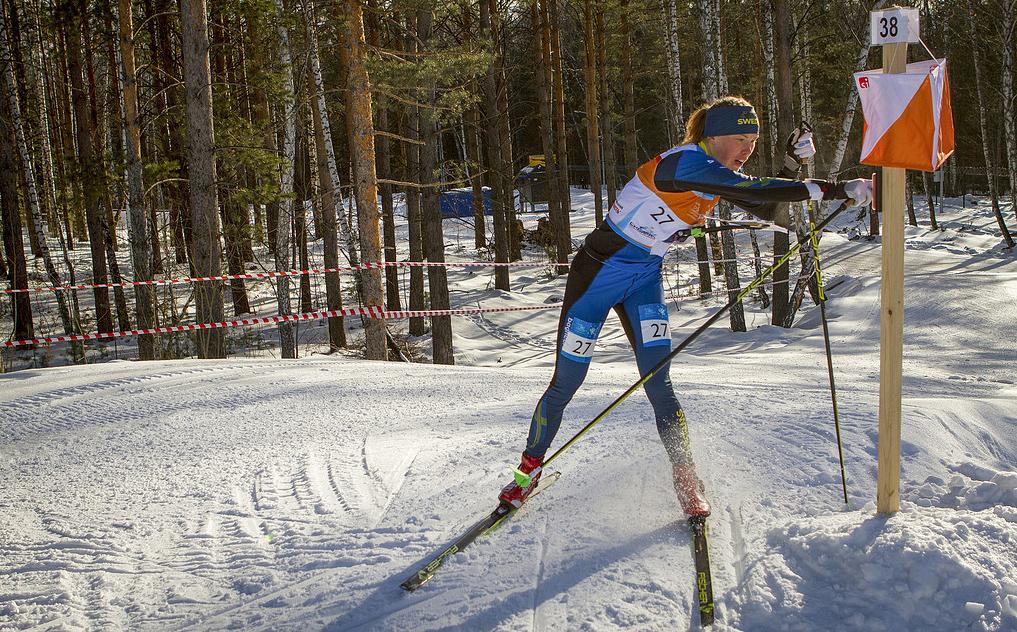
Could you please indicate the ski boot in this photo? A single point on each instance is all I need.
(690, 492)
(526, 477)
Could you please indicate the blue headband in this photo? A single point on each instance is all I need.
(725, 120)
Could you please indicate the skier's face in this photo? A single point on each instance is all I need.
(732, 150)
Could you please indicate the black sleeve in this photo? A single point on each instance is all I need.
(695, 171)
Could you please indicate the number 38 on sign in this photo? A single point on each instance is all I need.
(894, 26)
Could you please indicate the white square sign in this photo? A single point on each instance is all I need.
(894, 26)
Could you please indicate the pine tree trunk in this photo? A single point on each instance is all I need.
(497, 171)
(606, 124)
(234, 210)
(785, 125)
(14, 244)
(473, 148)
(417, 326)
(361, 122)
(301, 189)
(204, 203)
(927, 189)
(392, 300)
(592, 114)
(564, 230)
(91, 171)
(542, 87)
(983, 128)
(909, 199)
(384, 166)
(628, 93)
(513, 233)
(141, 252)
(170, 130)
(434, 240)
(284, 217)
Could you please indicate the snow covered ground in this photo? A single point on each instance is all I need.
(261, 494)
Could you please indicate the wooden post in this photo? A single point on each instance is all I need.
(891, 323)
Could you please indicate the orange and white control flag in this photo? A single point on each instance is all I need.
(908, 118)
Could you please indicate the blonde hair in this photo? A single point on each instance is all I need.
(697, 122)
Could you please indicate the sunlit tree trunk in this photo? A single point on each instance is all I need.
(141, 251)
(361, 123)
(204, 202)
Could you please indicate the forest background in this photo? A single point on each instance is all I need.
(196, 135)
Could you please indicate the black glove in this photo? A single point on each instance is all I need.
(800, 150)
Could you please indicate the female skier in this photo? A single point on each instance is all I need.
(619, 266)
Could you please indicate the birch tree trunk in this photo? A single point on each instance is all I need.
(34, 208)
(674, 72)
(329, 212)
(771, 89)
(592, 115)
(361, 123)
(983, 128)
(42, 102)
(141, 252)
(710, 21)
(1009, 109)
(284, 218)
(332, 214)
(852, 102)
(204, 199)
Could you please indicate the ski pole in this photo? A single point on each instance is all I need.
(821, 296)
(691, 337)
(829, 357)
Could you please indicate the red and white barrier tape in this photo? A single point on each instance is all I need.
(371, 312)
(282, 273)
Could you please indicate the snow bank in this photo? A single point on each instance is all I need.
(948, 560)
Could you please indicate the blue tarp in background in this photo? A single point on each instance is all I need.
(459, 203)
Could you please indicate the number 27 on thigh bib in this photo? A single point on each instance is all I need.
(579, 339)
